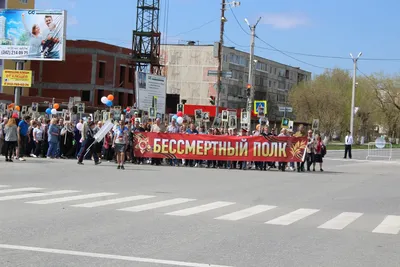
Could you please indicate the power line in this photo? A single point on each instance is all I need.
(240, 24)
(194, 29)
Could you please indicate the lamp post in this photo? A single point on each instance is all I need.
(250, 95)
(353, 92)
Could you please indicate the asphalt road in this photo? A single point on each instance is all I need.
(56, 213)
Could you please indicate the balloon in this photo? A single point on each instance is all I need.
(109, 103)
(56, 106)
(79, 126)
(128, 110)
(17, 108)
(124, 110)
(15, 115)
(110, 97)
(175, 117)
(48, 111)
(179, 120)
(104, 100)
(179, 114)
(54, 111)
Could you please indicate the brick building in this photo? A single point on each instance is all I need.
(91, 70)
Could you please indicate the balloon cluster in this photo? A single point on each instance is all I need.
(107, 100)
(178, 117)
(53, 111)
(127, 110)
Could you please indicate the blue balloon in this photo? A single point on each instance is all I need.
(124, 110)
(109, 103)
(48, 111)
(175, 117)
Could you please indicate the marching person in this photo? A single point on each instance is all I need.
(119, 143)
(88, 142)
(319, 151)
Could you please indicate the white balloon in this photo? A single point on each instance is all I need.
(104, 100)
(179, 120)
(79, 126)
(54, 111)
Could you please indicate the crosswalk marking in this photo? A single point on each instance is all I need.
(112, 201)
(52, 193)
(292, 217)
(390, 225)
(2, 186)
(159, 204)
(202, 208)
(341, 221)
(5, 191)
(65, 199)
(241, 214)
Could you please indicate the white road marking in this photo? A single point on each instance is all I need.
(390, 225)
(109, 256)
(199, 209)
(52, 193)
(341, 221)
(241, 214)
(159, 204)
(5, 191)
(2, 186)
(112, 201)
(65, 199)
(292, 217)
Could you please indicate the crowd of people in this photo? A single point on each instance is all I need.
(54, 138)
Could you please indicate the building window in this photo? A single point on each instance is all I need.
(275, 71)
(100, 94)
(130, 75)
(85, 96)
(23, 1)
(102, 70)
(269, 83)
(130, 100)
(275, 85)
(121, 98)
(122, 70)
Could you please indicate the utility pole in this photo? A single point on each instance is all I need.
(220, 45)
(250, 95)
(353, 93)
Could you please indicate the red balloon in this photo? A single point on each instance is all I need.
(179, 114)
(128, 110)
(15, 115)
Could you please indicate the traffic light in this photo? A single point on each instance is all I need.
(248, 90)
(212, 100)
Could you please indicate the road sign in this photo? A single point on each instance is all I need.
(285, 109)
(260, 107)
(224, 74)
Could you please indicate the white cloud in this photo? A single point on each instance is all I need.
(285, 20)
(72, 20)
(13, 22)
(72, 4)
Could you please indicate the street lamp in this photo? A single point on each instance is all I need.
(353, 93)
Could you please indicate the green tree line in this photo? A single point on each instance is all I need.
(327, 97)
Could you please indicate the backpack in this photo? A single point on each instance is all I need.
(323, 150)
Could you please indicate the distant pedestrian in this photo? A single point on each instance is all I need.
(348, 142)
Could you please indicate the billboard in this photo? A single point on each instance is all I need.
(149, 86)
(32, 34)
(17, 78)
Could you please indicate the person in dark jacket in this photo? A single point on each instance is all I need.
(88, 145)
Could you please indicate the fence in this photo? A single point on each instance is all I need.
(384, 151)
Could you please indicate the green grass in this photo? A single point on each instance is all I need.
(339, 146)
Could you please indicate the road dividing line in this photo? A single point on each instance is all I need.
(292, 217)
(52, 193)
(5, 191)
(112, 201)
(241, 214)
(341, 221)
(65, 199)
(157, 205)
(109, 256)
(390, 225)
(200, 209)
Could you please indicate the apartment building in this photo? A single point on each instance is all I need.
(187, 68)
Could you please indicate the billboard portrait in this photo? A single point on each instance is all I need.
(32, 34)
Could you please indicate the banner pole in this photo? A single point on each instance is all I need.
(17, 92)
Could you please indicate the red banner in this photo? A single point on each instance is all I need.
(220, 147)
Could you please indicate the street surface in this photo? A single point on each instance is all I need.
(56, 213)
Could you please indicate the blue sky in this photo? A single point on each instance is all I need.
(331, 28)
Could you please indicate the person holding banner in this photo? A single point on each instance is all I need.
(119, 143)
(89, 145)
